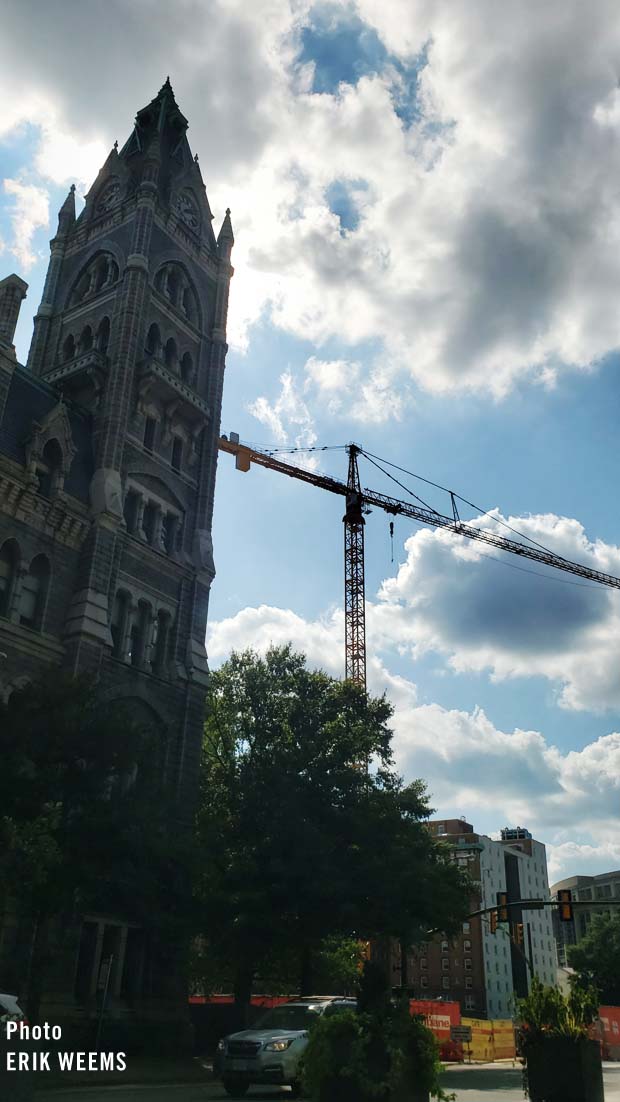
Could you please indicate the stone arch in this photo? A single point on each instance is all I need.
(183, 294)
(100, 270)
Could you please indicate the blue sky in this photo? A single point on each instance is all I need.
(427, 262)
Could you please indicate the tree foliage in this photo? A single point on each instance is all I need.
(83, 819)
(300, 841)
(596, 958)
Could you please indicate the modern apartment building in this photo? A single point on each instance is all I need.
(485, 971)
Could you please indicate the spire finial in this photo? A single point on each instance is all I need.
(116, 146)
(195, 158)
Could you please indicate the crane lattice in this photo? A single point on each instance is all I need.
(358, 501)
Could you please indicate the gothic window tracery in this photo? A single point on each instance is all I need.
(173, 283)
(86, 340)
(187, 368)
(171, 355)
(99, 274)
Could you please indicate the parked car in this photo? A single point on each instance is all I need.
(271, 1052)
(10, 1011)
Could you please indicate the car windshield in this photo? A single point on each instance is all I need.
(287, 1017)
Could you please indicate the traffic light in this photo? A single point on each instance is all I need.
(565, 908)
(502, 906)
(493, 922)
(518, 932)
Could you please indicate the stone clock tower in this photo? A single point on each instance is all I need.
(108, 447)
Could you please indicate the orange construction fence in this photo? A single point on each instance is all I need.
(491, 1040)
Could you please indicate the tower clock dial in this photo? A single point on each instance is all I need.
(108, 196)
(188, 211)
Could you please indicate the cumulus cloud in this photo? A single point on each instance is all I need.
(486, 611)
(288, 418)
(28, 212)
(569, 800)
(479, 238)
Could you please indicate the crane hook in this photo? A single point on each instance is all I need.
(392, 538)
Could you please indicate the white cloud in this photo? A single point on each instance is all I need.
(288, 419)
(488, 611)
(487, 240)
(340, 389)
(568, 800)
(28, 212)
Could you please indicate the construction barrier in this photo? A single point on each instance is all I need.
(491, 1040)
(609, 1017)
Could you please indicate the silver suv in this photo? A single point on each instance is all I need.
(271, 1052)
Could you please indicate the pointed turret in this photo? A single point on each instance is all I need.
(226, 237)
(66, 214)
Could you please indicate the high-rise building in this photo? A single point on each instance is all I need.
(108, 451)
(485, 971)
(594, 890)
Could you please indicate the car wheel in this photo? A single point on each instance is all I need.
(236, 1087)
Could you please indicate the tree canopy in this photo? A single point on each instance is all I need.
(596, 958)
(299, 840)
(83, 818)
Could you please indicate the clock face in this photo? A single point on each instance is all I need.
(188, 211)
(108, 196)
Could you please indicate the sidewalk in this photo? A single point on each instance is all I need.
(140, 1071)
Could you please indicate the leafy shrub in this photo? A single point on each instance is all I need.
(548, 1012)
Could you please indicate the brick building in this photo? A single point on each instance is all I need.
(108, 450)
(481, 970)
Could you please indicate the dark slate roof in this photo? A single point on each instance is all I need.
(31, 399)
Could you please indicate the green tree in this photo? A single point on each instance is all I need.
(84, 822)
(596, 958)
(299, 841)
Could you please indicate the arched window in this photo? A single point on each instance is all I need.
(9, 562)
(139, 634)
(103, 335)
(188, 304)
(172, 286)
(187, 368)
(33, 593)
(68, 348)
(153, 341)
(86, 339)
(171, 355)
(160, 642)
(118, 626)
(101, 276)
(100, 273)
(49, 469)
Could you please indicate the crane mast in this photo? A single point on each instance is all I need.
(358, 500)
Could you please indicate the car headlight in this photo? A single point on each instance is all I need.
(278, 1046)
(221, 1046)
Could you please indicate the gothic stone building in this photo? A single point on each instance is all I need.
(108, 449)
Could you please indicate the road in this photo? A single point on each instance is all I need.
(478, 1083)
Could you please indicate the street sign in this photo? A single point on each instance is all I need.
(460, 1033)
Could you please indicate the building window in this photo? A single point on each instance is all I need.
(33, 593)
(9, 559)
(470, 1002)
(445, 964)
(423, 981)
(149, 521)
(469, 983)
(153, 341)
(187, 368)
(177, 453)
(467, 946)
(467, 964)
(160, 642)
(86, 339)
(103, 335)
(445, 983)
(49, 469)
(149, 433)
(445, 946)
(171, 355)
(466, 927)
(118, 626)
(130, 511)
(68, 348)
(424, 964)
